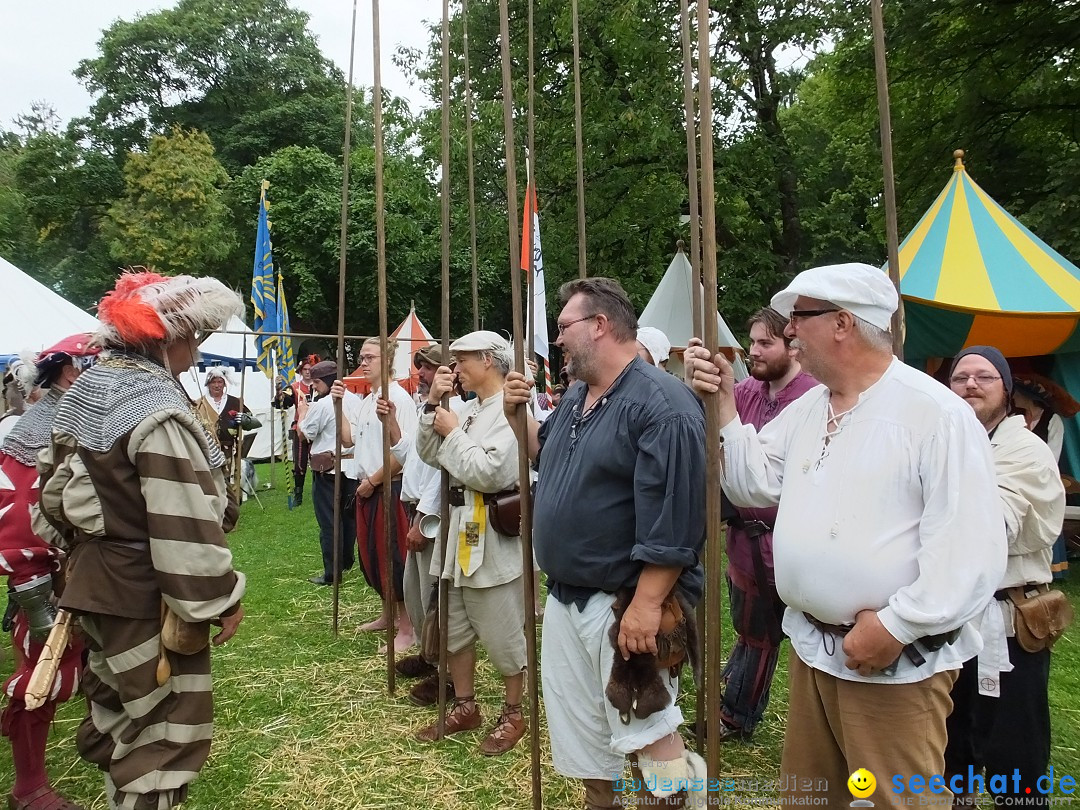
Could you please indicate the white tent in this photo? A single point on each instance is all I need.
(671, 311)
(36, 317)
(258, 389)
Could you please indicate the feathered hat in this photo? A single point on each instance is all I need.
(79, 349)
(146, 307)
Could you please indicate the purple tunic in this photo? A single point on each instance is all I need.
(755, 408)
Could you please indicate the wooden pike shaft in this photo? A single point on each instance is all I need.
(41, 680)
(519, 422)
(444, 509)
(389, 597)
(343, 245)
(892, 236)
(471, 169)
(714, 559)
(691, 165)
(578, 148)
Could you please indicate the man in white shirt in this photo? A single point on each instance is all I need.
(1001, 715)
(317, 424)
(889, 537)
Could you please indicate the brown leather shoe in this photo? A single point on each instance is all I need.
(509, 728)
(414, 666)
(426, 693)
(44, 798)
(464, 715)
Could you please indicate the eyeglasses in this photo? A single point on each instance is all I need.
(369, 358)
(564, 326)
(810, 313)
(981, 380)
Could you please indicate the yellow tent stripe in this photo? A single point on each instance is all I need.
(967, 283)
(916, 238)
(1060, 280)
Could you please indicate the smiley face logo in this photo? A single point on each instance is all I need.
(862, 783)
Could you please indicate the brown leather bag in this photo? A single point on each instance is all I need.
(504, 513)
(321, 462)
(1042, 615)
(180, 636)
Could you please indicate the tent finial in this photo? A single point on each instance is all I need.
(959, 156)
(681, 245)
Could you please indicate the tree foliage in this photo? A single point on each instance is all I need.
(171, 215)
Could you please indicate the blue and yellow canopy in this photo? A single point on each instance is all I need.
(970, 273)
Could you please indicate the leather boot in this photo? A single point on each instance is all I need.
(600, 794)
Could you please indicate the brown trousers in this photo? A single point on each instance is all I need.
(835, 727)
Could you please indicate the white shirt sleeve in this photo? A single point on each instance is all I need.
(1055, 436)
(753, 469)
(962, 552)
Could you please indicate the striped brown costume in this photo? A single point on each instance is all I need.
(136, 480)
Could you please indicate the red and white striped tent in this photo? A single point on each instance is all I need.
(411, 335)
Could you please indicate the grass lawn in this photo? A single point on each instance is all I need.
(303, 719)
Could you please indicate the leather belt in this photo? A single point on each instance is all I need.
(929, 643)
(1003, 594)
(752, 528)
(457, 496)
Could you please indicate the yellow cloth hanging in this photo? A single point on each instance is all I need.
(471, 533)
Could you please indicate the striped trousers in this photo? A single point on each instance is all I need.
(150, 740)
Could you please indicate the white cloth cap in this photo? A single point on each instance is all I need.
(481, 341)
(861, 289)
(656, 342)
(218, 371)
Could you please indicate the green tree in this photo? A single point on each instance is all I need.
(171, 214)
(247, 72)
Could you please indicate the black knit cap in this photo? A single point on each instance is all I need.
(997, 360)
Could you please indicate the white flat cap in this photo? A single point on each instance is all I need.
(656, 342)
(861, 289)
(481, 341)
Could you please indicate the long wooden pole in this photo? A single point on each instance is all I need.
(580, 152)
(342, 247)
(389, 517)
(520, 421)
(470, 168)
(530, 188)
(695, 300)
(238, 450)
(444, 509)
(892, 236)
(691, 167)
(714, 559)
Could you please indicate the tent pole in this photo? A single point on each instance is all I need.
(892, 237)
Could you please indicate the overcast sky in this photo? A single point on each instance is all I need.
(44, 40)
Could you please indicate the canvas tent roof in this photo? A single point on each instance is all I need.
(36, 317)
(671, 307)
(971, 273)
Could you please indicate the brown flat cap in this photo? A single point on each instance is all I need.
(432, 355)
(326, 369)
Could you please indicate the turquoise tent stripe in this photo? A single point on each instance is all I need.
(934, 332)
(1071, 268)
(1010, 275)
(921, 278)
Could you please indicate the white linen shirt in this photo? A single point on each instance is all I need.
(484, 459)
(319, 427)
(898, 513)
(367, 430)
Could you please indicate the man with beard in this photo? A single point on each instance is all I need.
(776, 381)
(619, 505)
(889, 536)
(30, 562)
(1001, 715)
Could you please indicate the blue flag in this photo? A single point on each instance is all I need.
(286, 358)
(263, 292)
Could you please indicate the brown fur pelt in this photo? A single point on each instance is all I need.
(635, 684)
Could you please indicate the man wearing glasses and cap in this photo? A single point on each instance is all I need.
(486, 596)
(888, 540)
